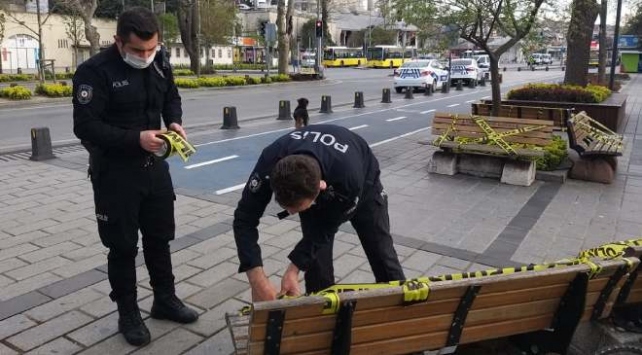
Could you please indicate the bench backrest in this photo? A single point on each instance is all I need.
(557, 115)
(456, 312)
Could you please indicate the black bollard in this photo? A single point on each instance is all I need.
(563, 68)
(41, 144)
(326, 104)
(409, 93)
(230, 120)
(358, 100)
(460, 85)
(428, 90)
(482, 82)
(519, 68)
(547, 68)
(284, 110)
(385, 96)
(506, 69)
(445, 88)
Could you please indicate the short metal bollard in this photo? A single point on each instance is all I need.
(428, 90)
(41, 144)
(460, 85)
(482, 82)
(445, 88)
(409, 94)
(326, 104)
(284, 110)
(547, 68)
(230, 120)
(358, 100)
(385, 96)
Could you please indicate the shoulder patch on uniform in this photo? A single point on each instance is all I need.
(255, 183)
(85, 93)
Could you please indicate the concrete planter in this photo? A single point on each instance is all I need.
(609, 112)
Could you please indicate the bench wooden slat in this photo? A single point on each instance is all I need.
(519, 121)
(511, 139)
(557, 115)
(388, 314)
(578, 131)
(481, 148)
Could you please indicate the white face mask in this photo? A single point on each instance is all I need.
(138, 62)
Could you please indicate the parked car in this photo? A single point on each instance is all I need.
(419, 73)
(547, 59)
(483, 61)
(244, 7)
(466, 70)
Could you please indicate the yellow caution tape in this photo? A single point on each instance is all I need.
(602, 133)
(418, 289)
(175, 144)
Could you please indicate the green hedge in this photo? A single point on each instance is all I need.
(54, 90)
(560, 93)
(220, 81)
(16, 77)
(182, 72)
(16, 93)
(554, 154)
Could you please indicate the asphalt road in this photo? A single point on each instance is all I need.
(225, 158)
(203, 107)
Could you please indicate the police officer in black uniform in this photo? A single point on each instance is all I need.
(119, 97)
(328, 175)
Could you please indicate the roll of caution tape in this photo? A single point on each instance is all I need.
(174, 144)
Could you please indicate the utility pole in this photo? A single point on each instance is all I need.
(317, 57)
(616, 41)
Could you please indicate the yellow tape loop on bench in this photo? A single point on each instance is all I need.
(415, 291)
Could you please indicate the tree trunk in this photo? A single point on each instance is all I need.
(325, 15)
(601, 69)
(41, 49)
(583, 15)
(189, 30)
(281, 37)
(92, 35)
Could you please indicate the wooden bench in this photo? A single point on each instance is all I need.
(559, 116)
(590, 138)
(597, 146)
(464, 133)
(541, 308)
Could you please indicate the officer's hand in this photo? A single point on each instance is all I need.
(290, 281)
(149, 141)
(178, 129)
(262, 288)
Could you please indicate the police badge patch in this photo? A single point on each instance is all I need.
(85, 94)
(255, 183)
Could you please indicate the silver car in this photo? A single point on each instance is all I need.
(465, 70)
(419, 73)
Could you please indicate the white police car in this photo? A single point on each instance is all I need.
(466, 70)
(419, 73)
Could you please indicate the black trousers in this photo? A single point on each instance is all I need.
(372, 223)
(133, 196)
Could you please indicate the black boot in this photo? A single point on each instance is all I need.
(130, 323)
(168, 306)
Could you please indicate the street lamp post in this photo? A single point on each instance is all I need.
(615, 44)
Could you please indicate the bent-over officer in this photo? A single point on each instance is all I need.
(328, 175)
(119, 97)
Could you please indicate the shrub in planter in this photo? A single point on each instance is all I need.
(560, 93)
(16, 77)
(554, 155)
(212, 81)
(254, 80)
(235, 80)
(183, 72)
(53, 90)
(16, 93)
(280, 78)
(186, 83)
(266, 79)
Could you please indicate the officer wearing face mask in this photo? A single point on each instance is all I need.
(120, 96)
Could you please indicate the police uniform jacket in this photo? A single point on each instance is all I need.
(114, 102)
(348, 166)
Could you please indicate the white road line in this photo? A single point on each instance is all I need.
(429, 111)
(358, 127)
(453, 105)
(470, 101)
(397, 137)
(485, 97)
(210, 162)
(230, 189)
(395, 119)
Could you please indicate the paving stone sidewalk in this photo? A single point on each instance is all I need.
(53, 281)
